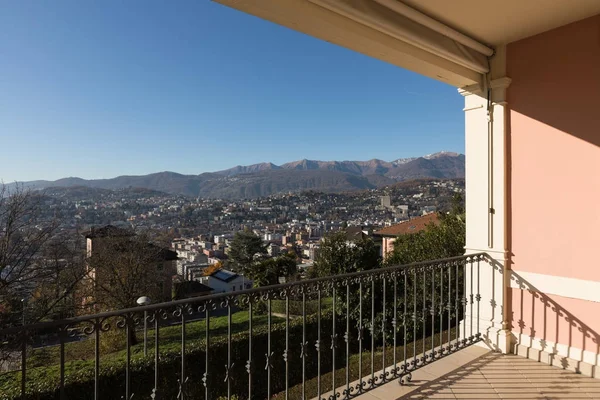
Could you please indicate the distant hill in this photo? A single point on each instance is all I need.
(248, 169)
(267, 178)
(84, 192)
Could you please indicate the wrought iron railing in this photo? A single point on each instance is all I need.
(333, 337)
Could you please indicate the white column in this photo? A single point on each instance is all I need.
(486, 205)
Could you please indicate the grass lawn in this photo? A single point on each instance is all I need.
(113, 343)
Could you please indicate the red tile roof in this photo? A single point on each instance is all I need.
(411, 226)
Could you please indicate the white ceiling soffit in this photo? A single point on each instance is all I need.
(391, 18)
(505, 21)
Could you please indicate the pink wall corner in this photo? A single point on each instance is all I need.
(554, 101)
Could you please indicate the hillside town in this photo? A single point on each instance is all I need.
(199, 232)
(80, 208)
(100, 248)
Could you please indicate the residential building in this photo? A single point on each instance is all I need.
(386, 201)
(287, 239)
(190, 272)
(99, 238)
(225, 281)
(389, 234)
(402, 212)
(112, 240)
(313, 251)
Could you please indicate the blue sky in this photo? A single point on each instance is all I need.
(106, 88)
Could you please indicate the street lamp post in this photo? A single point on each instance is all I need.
(144, 301)
(23, 311)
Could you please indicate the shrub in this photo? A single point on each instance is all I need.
(311, 306)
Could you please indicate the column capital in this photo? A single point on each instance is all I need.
(471, 89)
(500, 83)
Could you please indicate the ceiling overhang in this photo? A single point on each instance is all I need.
(449, 41)
(386, 17)
(332, 26)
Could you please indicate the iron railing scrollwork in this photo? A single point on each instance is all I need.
(326, 338)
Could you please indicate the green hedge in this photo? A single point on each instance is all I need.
(311, 306)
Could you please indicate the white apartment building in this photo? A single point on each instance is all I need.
(226, 281)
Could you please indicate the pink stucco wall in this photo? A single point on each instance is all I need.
(556, 319)
(554, 121)
(554, 99)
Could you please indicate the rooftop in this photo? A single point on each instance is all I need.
(224, 275)
(149, 249)
(411, 226)
(356, 232)
(108, 231)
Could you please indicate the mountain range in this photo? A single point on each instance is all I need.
(267, 178)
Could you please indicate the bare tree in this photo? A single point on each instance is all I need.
(62, 267)
(39, 267)
(24, 231)
(126, 268)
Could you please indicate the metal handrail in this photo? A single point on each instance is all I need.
(223, 295)
(423, 304)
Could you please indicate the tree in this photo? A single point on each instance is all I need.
(245, 249)
(164, 238)
(337, 255)
(23, 233)
(28, 242)
(127, 268)
(62, 260)
(444, 240)
(268, 271)
(447, 239)
(295, 249)
(211, 269)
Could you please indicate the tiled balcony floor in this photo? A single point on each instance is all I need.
(476, 373)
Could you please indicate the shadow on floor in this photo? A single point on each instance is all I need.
(439, 387)
(497, 376)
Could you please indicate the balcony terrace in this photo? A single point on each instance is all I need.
(362, 333)
(529, 284)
